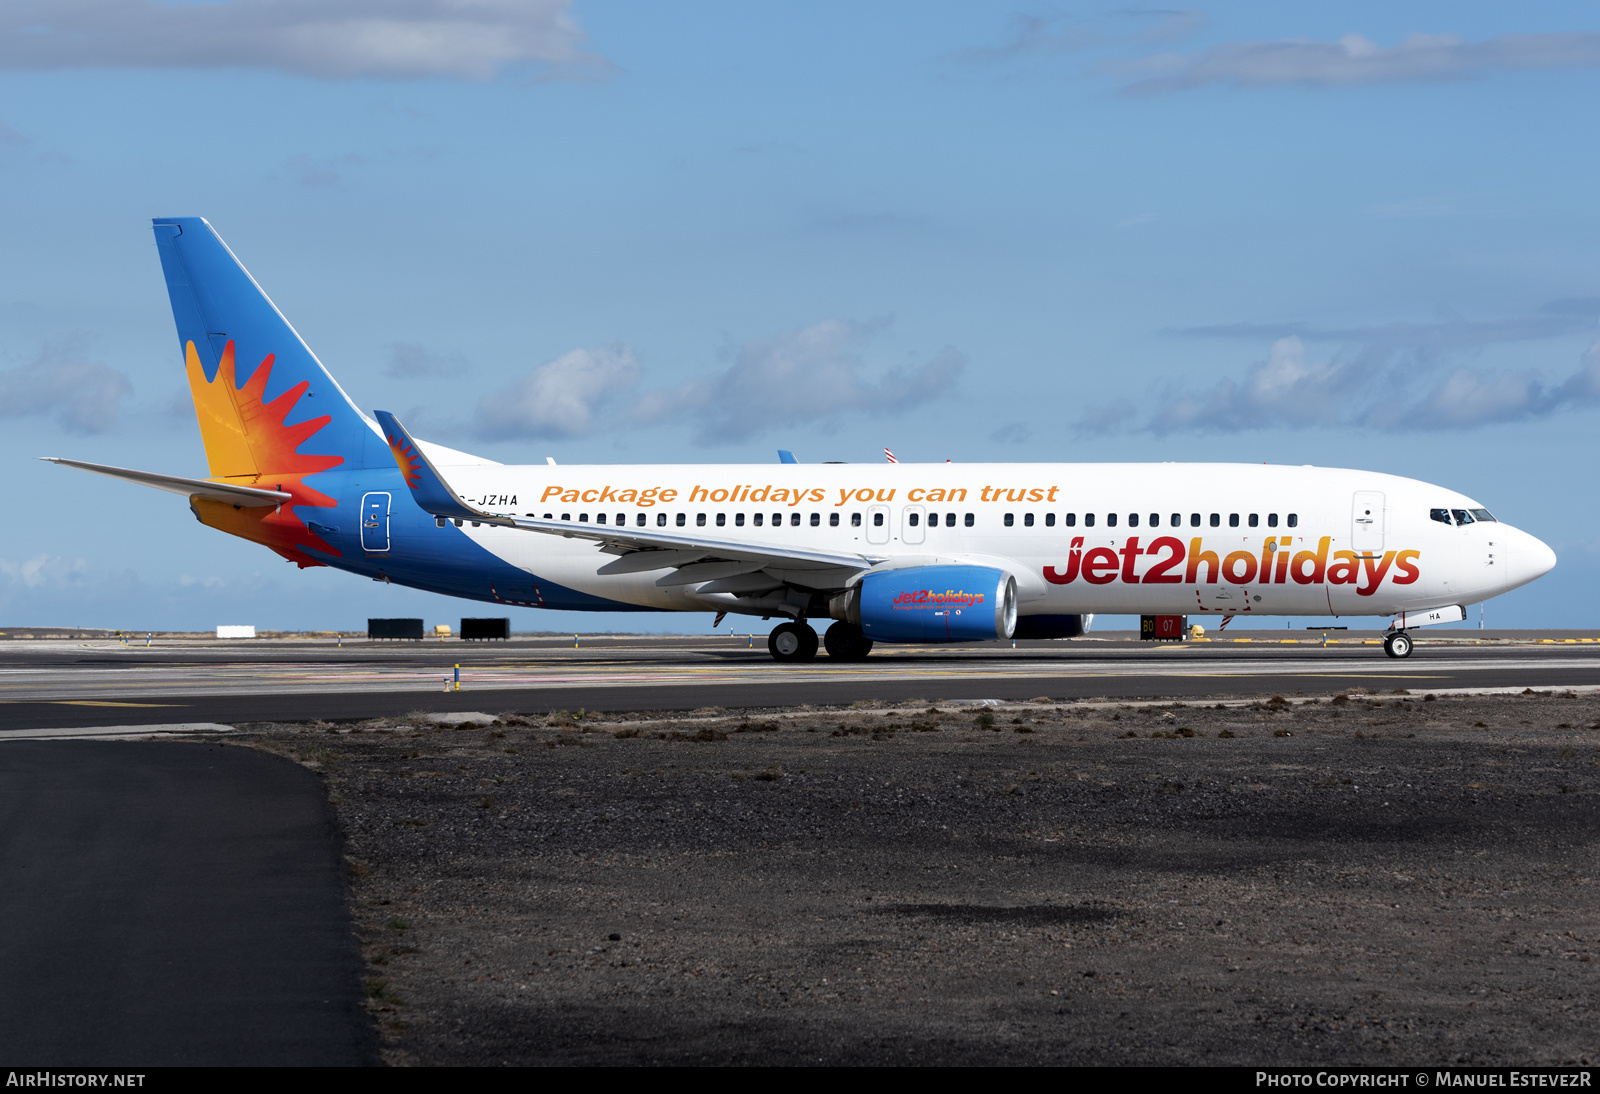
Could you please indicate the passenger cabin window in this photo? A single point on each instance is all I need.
(1070, 520)
(1133, 520)
(1088, 520)
(1155, 520)
(1010, 519)
(583, 518)
(1294, 520)
(1233, 520)
(1111, 520)
(1194, 520)
(722, 519)
(794, 520)
(833, 520)
(877, 519)
(911, 519)
(1216, 520)
(682, 518)
(700, 520)
(1049, 520)
(601, 519)
(756, 520)
(1177, 520)
(1255, 519)
(816, 519)
(1027, 520)
(661, 520)
(855, 520)
(1272, 520)
(969, 520)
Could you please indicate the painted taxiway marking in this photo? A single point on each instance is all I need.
(106, 703)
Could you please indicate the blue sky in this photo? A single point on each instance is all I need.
(1358, 235)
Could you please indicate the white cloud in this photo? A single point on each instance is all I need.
(332, 39)
(1012, 433)
(44, 570)
(409, 361)
(1376, 387)
(561, 398)
(809, 376)
(84, 396)
(1034, 35)
(1355, 60)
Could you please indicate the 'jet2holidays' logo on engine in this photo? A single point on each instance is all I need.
(927, 598)
(1168, 562)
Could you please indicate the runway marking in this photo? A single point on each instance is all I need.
(106, 703)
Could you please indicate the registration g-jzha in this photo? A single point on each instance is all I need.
(880, 553)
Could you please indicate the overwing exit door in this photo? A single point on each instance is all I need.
(878, 524)
(375, 522)
(911, 530)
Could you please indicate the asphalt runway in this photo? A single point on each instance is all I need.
(173, 904)
(62, 684)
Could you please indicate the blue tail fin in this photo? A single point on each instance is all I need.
(265, 403)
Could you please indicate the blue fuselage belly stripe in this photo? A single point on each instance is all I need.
(424, 556)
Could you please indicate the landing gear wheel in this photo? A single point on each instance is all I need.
(845, 642)
(792, 642)
(1398, 644)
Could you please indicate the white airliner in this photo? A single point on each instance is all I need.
(917, 553)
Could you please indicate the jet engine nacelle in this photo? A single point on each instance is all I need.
(931, 604)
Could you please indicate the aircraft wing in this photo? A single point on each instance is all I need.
(434, 495)
(176, 484)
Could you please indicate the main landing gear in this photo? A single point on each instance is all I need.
(845, 642)
(798, 642)
(792, 642)
(1397, 644)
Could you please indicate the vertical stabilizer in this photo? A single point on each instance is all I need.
(266, 406)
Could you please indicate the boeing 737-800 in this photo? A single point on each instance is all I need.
(901, 552)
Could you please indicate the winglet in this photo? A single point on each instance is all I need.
(428, 487)
(785, 456)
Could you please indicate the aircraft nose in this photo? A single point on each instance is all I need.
(1530, 558)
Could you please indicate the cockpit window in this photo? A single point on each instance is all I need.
(1440, 515)
(1462, 516)
(1483, 514)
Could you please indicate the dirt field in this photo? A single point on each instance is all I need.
(1375, 878)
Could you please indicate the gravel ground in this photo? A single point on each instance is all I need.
(1368, 878)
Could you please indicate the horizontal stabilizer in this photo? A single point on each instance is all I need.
(176, 484)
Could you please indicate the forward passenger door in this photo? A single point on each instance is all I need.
(1366, 523)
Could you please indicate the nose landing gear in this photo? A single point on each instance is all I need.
(792, 642)
(1397, 644)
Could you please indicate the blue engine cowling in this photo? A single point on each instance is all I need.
(932, 604)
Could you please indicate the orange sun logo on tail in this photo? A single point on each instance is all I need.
(248, 443)
(405, 458)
